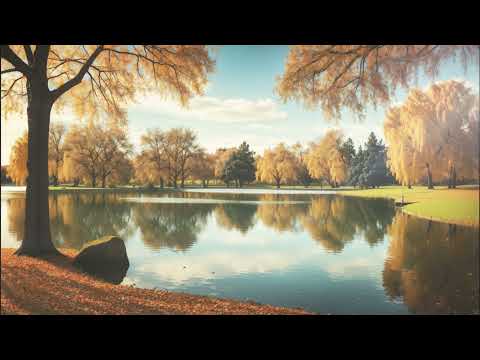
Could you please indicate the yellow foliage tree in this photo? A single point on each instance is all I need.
(353, 76)
(93, 80)
(278, 165)
(434, 135)
(324, 159)
(56, 151)
(17, 169)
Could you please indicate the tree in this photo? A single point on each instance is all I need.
(97, 152)
(303, 175)
(356, 167)
(325, 160)
(374, 167)
(353, 76)
(17, 169)
(56, 150)
(170, 152)
(146, 171)
(277, 165)
(114, 149)
(240, 167)
(222, 155)
(202, 167)
(95, 80)
(434, 134)
(5, 178)
(348, 152)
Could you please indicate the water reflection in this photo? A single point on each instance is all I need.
(432, 267)
(429, 267)
(174, 226)
(236, 216)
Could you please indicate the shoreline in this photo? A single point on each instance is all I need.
(53, 286)
(426, 204)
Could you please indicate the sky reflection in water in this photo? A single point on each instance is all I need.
(325, 253)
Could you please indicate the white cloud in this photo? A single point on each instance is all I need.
(212, 108)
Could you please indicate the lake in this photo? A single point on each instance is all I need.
(322, 252)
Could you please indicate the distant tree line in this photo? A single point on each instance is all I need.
(417, 132)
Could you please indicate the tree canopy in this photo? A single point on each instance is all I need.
(337, 77)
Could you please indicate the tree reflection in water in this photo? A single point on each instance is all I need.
(334, 221)
(77, 218)
(432, 267)
(173, 226)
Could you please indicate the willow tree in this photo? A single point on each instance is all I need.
(17, 168)
(325, 158)
(278, 165)
(434, 134)
(94, 80)
(56, 150)
(352, 76)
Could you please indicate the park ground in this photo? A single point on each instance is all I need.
(455, 206)
(51, 286)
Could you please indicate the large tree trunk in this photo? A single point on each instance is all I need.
(454, 178)
(429, 176)
(37, 240)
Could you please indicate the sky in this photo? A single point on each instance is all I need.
(240, 104)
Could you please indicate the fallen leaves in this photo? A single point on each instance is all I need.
(53, 286)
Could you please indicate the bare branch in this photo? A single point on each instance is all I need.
(12, 58)
(7, 92)
(78, 78)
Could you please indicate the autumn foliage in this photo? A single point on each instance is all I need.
(434, 135)
(337, 77)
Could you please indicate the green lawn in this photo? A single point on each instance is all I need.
(457, 206)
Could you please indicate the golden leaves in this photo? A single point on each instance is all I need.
(17, 169)
(324, 159)
(436, 126)
(352, 76)
(278, 165)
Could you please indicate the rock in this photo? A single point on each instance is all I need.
(105, 258)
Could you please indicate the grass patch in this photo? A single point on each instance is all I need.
(456, 206)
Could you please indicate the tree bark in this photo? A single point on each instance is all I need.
(37, 239)
(104, 181)
(429, 176)
(161, 183)
(454, 178)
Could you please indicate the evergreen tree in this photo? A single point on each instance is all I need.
(240, 167)
(348, 151)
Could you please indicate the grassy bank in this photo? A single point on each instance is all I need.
(53, 286)
(456, 206)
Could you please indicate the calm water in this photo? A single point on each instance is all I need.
(325, 253)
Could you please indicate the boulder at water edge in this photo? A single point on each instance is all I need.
(105, 258)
